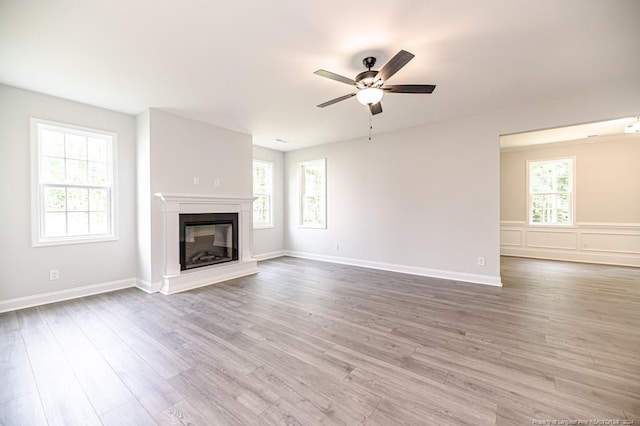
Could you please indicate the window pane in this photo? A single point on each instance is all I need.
(563, 202)
(76, 172)
(52, 170)
(55, 224)
(262, 189)
(98, 223)
(542, 178)
(312, 181)
(52, 143)
(97, 149)
(98, 174)
(312, 193)
(98, 200)
(77, 199)
(563, 184)
(261, 211)
(311, 209)
(541, 207)
(259, 179)
(78, 223)
(75, 147)
(54, 199)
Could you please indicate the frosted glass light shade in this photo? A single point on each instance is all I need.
(631, 128)
(369, 96)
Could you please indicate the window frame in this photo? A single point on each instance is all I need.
(37, 187)
(269, 194)
(571, 193)
(323, 193)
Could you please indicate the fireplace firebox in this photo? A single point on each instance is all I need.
(208, 239)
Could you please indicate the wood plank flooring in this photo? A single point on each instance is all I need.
(305, 343)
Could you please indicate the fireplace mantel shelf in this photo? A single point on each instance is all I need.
(199, 198)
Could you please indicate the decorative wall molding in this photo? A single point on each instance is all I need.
(405, 269)
(67, 294)
(593, 242)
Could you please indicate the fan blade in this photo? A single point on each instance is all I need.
(409, 88)
(336, 77)
(333, 101)
(394, 65)
(375, 108)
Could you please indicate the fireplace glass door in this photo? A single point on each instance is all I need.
(207, 242)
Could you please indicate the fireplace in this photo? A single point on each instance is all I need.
(205, 210)
(208, 239)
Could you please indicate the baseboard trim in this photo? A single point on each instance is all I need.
(148, 286)
(405, 269)
(271, 255)
(62, 295)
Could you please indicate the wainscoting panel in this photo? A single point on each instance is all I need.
(611, 242)
(511, 237)
(608, 243)
(552, 239)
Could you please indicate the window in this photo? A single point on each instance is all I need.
(263, 191)
(73, 184)
(551, 192)
(313, 195)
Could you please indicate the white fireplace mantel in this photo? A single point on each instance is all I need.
(173, 279)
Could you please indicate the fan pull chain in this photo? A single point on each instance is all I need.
(370, 124)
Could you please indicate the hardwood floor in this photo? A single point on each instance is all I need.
(307, 342)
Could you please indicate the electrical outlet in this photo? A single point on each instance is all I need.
(54, 274)
(336, 246)
(216, 182)
(481, 261)
(196, 180)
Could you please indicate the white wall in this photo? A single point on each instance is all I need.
(25, 270)
(181, 149)
(427, 200)
(269, 242)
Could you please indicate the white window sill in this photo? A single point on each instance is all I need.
(264, 227)
(548, 225)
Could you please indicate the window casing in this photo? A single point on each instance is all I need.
(550, 199)
(313, 194)
(263, 193)
(73, 184)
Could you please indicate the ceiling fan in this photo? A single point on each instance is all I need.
(371, 84)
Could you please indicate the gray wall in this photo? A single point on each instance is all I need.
(428, 198)
(25, 269)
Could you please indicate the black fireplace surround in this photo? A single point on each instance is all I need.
(208, 239)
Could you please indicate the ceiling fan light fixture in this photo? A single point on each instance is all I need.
(633, 127)
(369, 96)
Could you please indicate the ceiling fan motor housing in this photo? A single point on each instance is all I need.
(366, 78)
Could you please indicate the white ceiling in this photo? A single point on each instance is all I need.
(248, 65)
